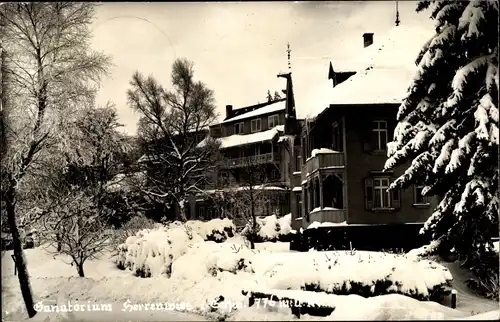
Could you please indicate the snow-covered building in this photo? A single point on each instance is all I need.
(344, 140)
(257, 138)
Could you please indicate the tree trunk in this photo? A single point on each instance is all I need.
(252, 244)
(59, 243)
(182, 206)
(79, 268)
(22, 271)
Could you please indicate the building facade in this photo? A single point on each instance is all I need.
(344, 146)
(258, 148)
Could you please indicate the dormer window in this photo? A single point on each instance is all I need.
(238, 128)
(255, 125)
(273, 121)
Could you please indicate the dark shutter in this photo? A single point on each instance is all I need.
(369, 194)
(396, 198)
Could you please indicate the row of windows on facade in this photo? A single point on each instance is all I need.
(256, 124)
(224, 176)
(379, 129)
(376, 196)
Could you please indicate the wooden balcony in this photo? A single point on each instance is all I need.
(251, 160)
(329, 160)
(328, 215)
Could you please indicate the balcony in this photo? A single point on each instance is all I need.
(327, 159)
(251, 160)
(327, 214)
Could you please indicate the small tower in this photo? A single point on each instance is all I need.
(290, 114)
(397, 14)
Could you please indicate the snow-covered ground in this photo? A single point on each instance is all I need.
(203, 271)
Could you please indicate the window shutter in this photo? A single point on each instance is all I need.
(369, 194)
(396, 198)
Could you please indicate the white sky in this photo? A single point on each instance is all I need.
(238, 48)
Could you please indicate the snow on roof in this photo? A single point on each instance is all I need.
(317, 224)
(323, 151)
(297, 189)
(271, 108)
(384, 71)
(243, 188)
(239, 139)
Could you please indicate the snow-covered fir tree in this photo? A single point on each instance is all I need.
(448, 125)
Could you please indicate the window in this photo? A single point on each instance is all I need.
(377, 197)
(381, 199)
(273, 121)
(298, 162)
(275, 174)
(255, 125)
(256, 150)
(419, 198)
(238, 128)
(380, 132)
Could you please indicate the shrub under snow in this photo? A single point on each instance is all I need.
(363, 273)
(272, 228)
(151, 252)
(217, 230)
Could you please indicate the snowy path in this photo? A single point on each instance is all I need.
(466, 299)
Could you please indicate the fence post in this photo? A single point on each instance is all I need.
(453, 299)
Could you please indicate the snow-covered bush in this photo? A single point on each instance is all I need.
(344, 272)
(152, 251)
(424, 251)
(217, 230)
(131, 227)
(271, 228)
(210, 259)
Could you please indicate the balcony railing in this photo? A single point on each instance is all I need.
(251, 160)
(328, 215)
(322, 161)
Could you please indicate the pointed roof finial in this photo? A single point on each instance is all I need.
(397, 14)
(288, 51)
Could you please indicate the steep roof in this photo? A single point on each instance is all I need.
(384, 71)
(260, 109)
(243, 139)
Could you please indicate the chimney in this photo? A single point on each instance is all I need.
(367, 39)
(229, 111)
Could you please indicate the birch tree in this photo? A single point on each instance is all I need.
(171, 121)
(48, 71)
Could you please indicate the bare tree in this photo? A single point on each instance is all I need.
(245, 202)
(171, 122)
(47, 70)
(251, 199)
(78, 227)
